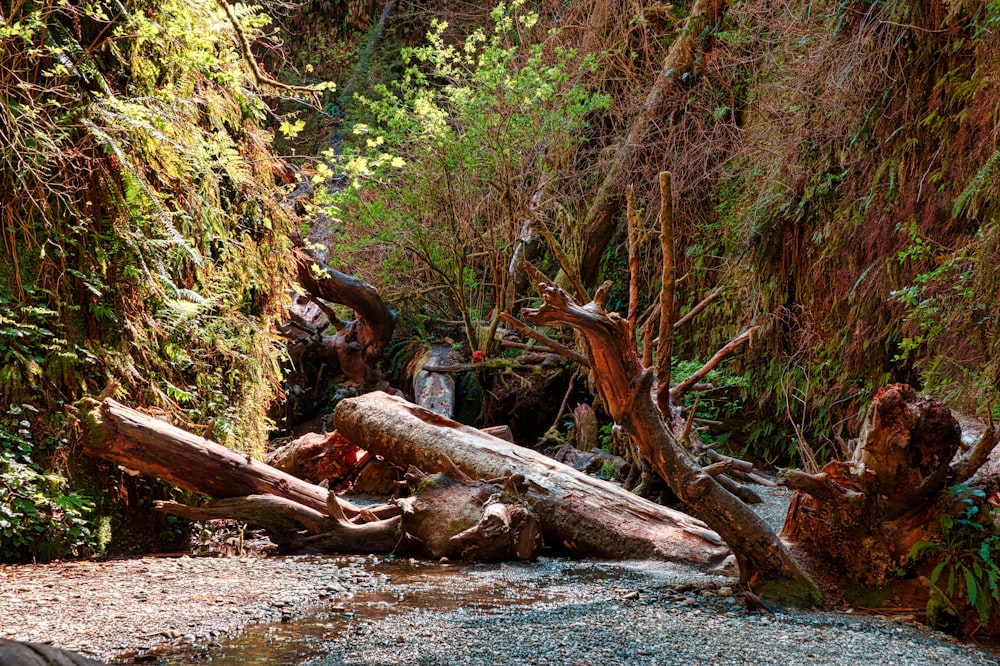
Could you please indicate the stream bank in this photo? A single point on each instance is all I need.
(327, 610)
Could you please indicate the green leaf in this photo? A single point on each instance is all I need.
(936, 573)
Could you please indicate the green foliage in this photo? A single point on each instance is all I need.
(40, 518)
(142, 238)
(443, 176)
(965, 569)
(951, 335)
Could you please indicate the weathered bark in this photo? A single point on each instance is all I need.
(586, 427)
(485, 522)
(586, 516)
(599, 225)
(358, 344)
(296, 528)
(886, 499)
(134, 440)
(299, 516)
(765, 563)
(664, 349)
(318, 457)
(435, 390)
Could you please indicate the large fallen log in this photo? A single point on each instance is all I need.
(446, 516)
(586, 516)
(137, 441)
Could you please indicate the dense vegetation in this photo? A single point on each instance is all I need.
(143, 240)
(836, 171)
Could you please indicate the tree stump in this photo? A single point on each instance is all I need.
(863, 517)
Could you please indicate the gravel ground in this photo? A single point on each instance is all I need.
(355, 610)
(581, 613)
(104, 609)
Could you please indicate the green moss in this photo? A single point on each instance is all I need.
(867, 597)
(794, 593)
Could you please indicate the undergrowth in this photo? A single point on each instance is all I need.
(143, 240)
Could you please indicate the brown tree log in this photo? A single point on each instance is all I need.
(766, 565)
(318, 457)
(358, 344)
(586, 516)
(137, 441)
(302, 517)
(485, 521)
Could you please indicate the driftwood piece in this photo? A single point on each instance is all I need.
(299, 516)
(453, 515)
(907, 442)
(502, 431)
(586, 516)
(435, 390)
(625, 388)
(283, 519)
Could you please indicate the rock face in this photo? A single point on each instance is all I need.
(14, 653)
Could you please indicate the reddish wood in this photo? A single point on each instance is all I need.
(625, 390)
(587, 516)
(318, 457)
(886, 499)
(135, 440)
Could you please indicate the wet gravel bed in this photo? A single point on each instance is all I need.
(580, 613)
(326, 611)
(105, 609)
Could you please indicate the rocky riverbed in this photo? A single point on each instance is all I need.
(326, 611)
(105, 609)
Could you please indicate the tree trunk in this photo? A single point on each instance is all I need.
(436, 390)
(454, 516)
(134, 440)
(586, 516)
(599, 225)
(358, 345)
(765, 563)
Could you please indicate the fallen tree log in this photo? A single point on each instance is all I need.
(451, 516)
(585, 516)
(137, 441)
(293, 527)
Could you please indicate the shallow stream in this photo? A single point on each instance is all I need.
(573, 613)
(408, 585)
